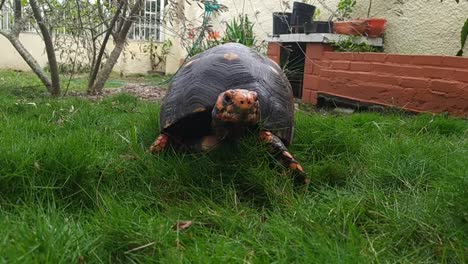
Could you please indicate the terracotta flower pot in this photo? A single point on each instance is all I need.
(376, 27)
(355, 27)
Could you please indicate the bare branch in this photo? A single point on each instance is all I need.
(18, 18)
(119, 46)
(2, 3)
(53, 66)
(96, 64)
(101, 13)
(29, 59)
(132, 17)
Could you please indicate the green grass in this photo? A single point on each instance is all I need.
(76, 184)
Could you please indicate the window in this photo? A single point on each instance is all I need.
(149, 24)
(6, 17)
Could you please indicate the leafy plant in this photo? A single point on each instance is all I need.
(316, 14)
(345, 8)
(202, 43)
(157, 52)
(240, 30)
(464, 36)
(352, 44)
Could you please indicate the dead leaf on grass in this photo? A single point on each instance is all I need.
(37, 167)
(182, 225)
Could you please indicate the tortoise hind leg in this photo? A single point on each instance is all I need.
(160, 144)
(279, 150)
(205, 143)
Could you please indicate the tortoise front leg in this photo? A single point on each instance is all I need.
(279, 150)
(160, 144)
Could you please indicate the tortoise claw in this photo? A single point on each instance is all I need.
(300, 176)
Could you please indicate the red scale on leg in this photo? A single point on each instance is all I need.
(278, 149)
(266, 136)
(159, 144)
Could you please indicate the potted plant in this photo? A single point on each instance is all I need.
(376, 26)
(281, 23)
(354, 27)
(370, 26)
(348, 26)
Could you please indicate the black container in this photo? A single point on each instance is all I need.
(302, 13)
(318, 27)
(281, 23)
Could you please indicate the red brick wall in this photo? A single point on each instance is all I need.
(416, 83)
(274, 52)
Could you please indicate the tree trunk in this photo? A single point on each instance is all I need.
(104, 73)
(119, 39)
(97, 63)
(13, 37)
(53, 66)
(29, 59)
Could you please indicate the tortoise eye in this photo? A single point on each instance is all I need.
(227, 98)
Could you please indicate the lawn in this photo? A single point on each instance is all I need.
(77, 186)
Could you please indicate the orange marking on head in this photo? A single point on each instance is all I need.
(219, 104)
(237, 105)
(244, 99)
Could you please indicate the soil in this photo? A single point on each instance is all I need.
(140, 90)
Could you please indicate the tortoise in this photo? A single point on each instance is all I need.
(221, 94)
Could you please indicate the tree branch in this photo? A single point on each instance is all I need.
(29, 59)
(17, 18)
(96, 65)
(2, 3)
(13, 37)
(119, 46)
(131, 18)
(53, 66)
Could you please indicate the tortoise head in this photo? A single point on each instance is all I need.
(237, 106)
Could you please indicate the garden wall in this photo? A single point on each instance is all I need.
(419, 83)
(132, 60)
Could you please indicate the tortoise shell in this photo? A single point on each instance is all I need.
(186, 108)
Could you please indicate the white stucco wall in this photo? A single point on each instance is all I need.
(10, 58)
(132, 60)
(423, 26)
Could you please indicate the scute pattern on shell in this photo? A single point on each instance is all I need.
(200, 81)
